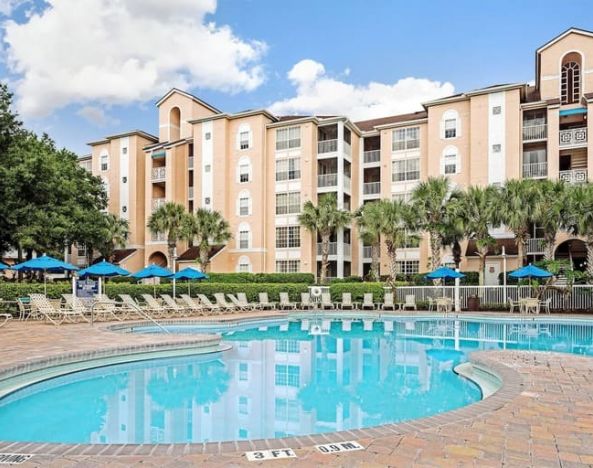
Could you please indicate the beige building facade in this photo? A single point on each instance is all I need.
(259, 169)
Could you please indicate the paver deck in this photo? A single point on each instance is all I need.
(542, 417)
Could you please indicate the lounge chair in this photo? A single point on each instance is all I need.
(25, 310)
(388, 302)
(104, 305)
(285, 302)
(326, 301)
(207, 304)
(129, 302)
(264, 301)
(163, 310)
(306, 302)
(223, 303)
(244, 302)
(192, 305)
(5, 318)
(367, 302)
(410, 302)
(347, 303)
(237, 303)
(174, 306)
(52, 314)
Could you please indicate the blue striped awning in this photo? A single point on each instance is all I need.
(578, 110)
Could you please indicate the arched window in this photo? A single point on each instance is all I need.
(450, 124)
(244, 170)
(244, 203)
(244, 139)
(174, 124)
(450, 161)
(244, 265)
(244, 236)
(570, 83)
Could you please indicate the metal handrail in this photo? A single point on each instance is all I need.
(133, 306)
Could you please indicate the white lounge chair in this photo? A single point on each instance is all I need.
(174, 306)
(5, 318)
(244, 302)
(207, 304)
(237, 303)
(326, 301)
(285, 302)
(264, 301)
(192, 305)
(410, 302)
(135, 308)
(347, 303)
(55, 315)
(367, 302)
(223, 303)
(163, 310)
(306, 302)
(388, 302)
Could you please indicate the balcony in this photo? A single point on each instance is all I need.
(159, 174)
(158, 237)
(327, 146)
(574, 176)
(535, 246)
(372, 156)
(333, 249)
(535, 132)
(573, 137)
(347, 149)
(371, 188)
(190, 162)
(327, 180)
(347, 183)
(367, 252)
(190, 193)
(157, 203)
(535, 170)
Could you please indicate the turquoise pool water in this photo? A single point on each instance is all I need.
(280, 378)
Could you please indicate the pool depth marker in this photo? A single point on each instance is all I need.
(338, 447)
(274, 454)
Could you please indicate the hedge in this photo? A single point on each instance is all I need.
(357, 290)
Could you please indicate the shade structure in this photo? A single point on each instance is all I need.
(103, 269)
(153, 271)
(190, 273)
(530, 271)
(46, 264)
(3, 266)
(444, 273)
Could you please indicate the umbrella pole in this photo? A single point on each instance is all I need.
(188, 288)
(45, 283)
(173, 288)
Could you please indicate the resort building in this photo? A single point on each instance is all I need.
(258, 169)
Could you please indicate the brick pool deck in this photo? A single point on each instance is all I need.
(541, 417)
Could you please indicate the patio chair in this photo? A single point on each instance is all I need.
(163, 310)
(5, 318)
(306, 302)
(430, 303)
(513, 304)
(129, 302)
(223, 303)
(174, 306)
(192, 305)
(347, 303)
(367, 302)
(326, 301)
(545, 305)
(54, 315)
(237, 303)
(285, 302)
(106, 306)
(410, 302)
(244, 302)
(264, 301)
(25, 310)
(388, 302)
(207, 304)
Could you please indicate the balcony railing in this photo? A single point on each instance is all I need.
(347, 250)
(347, 148)
(573, 137)
(371, 188)
(535, 246)
(371, 156)
(157, 202)
(327, 146)
(347, 183)
(535, 132)
(535, 170)
(327, 180)
(333, 248)
(158, 237)
(190, 162)
(159, 173)
(190, 193)
(574, 176)
(367, 252)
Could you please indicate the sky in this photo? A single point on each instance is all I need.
(84, 69)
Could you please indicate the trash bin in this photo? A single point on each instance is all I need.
(473, 303)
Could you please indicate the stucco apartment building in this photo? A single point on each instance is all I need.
(259, 169)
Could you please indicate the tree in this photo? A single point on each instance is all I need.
(324, 219)
(480, 209)
(517, 211)
(206, 228)
(581, 222)
(115, 234)
(453, 232)
(430, 200)
(552, 213)
(169, 219)
(369, 220)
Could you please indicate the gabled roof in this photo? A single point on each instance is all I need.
(369, 125)
(187, 95)
(140, 133)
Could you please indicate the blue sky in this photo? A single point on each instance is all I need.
(55, 55)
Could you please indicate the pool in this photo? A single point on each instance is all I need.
(281, 377)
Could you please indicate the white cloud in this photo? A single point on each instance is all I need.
(318, 93)
(97, 116)
(8, 6)
(120, 51)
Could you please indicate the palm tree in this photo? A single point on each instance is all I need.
(552, 212)
(370, 222)
(517, 210)
(581, 207)
(324, 219)
(453, 232)
(169, 219)
(430, 200)
(116, 235)
(480, 208)
(206, 228)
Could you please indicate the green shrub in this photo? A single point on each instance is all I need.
(357, 290)
(348, 279)
(284, 278)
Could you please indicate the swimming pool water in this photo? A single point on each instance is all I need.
(284, 378)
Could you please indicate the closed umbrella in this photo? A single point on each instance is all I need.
(46, 264)
(190, 273)
(153, 271)
(103, 270)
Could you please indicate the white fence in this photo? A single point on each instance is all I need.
(579, 297)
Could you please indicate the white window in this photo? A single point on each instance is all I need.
(287, 346)
(244, 140)
(288, 203)
(244, 265)
(124, 150)
(81, 250)
(287, 375)
(450, 124)
(288, 266)
(401, 196)
(450, 128)
(104, 161)
(450, 161)
(207, 168)
(208, 135)
(405, 170)
(286, 410)
(407, 267)
(496, 110)
(243, 239)
(243, 371)
(243, 405)
(288, 237)
(288, 169)
(288, 138)
(244, 204)
(496, 148)
(405, 138)
(243, 170)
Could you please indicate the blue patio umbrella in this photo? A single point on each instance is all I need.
(444, 273)
(46, 264)
(102, 270)
(530, 271)
(190, 273)
(153, 271)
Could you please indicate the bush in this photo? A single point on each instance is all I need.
(357, 290)
(284, 278)
(348, 279)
